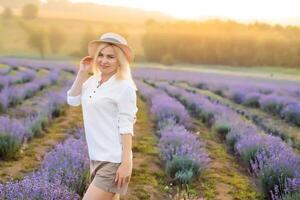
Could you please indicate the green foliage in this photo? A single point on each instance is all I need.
(37, 37)
(252, 102)
(37, 40)
(222, 128)
(249, 155)
(291, 196)
(87, 37)
(222, 42)
(30, 11)
(57, 38)
(207, 118)
(9, 146)
(7, 13)
(182, 169)
(270, 179)
(84, 179)
(167, 59)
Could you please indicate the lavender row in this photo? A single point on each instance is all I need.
(15, 132)
(287, 108)
(184, 154)
(274, 163)
(12, 95)
(5, 69)
(275, 96)
(20, 76)
(38, 64)
(224, 81)
(63, 174)
(286, 132)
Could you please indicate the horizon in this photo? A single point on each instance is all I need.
(283, 12)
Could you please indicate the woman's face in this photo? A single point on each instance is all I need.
(107, 61)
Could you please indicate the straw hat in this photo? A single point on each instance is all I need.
(111, 38)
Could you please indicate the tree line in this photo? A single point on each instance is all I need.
(222, 42)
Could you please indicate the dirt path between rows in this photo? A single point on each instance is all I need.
(33, 153)
(225, 178)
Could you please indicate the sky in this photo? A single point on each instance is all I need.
(273, 11)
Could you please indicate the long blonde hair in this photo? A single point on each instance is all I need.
(124, 70)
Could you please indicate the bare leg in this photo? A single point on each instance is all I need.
(95, 193)
(116, 197)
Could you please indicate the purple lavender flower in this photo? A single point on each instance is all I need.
(35, 187)
(68, 164)
(177, 141)
(63, 175)
(164, 107)
(12, 133)
(273, 103)
(252, 99)
(291, 113)
(274, 164)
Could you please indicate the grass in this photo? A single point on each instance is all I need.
(224, 178)
(33, 153)
(2, 66)
(148, 177)
(267, 72)
(288, 132)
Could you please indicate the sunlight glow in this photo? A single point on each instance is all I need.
(241, 10)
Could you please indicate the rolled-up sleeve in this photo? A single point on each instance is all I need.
(73, 100)
(127, 110)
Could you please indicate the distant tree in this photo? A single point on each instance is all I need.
(18, 3)
(150, 22)
(38, 40)
(56, 38)
(30, 11)
(222, 43)
(7, 13)
(37, 36)
(87, 36)
(167, 59)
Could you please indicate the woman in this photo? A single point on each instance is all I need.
(108, 100)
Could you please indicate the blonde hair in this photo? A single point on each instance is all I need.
(124, 70)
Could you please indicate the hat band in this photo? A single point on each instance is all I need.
(111, 40)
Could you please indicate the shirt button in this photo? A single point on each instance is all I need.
(90, 96)
(94, 91)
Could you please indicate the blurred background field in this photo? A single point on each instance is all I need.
(218, 98)
(64, 28)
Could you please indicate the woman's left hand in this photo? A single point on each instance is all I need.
(123, 173)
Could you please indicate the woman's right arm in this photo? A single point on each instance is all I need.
(74, 94)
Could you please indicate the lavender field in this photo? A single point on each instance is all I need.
(256, 119)
(198, 135)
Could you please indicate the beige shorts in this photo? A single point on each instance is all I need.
(103, 174)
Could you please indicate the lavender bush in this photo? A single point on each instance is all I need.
(251, 91)
(263, 154)
(68, 165)
(12, 133)
(177, 141)
(183, 153)
(291, 113)
(63, 175)
(35, 187)
(164, 107)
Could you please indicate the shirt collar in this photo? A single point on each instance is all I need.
(111, 79)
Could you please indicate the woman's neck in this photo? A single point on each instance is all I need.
(105, 77)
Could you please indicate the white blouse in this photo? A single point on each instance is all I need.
(108, 111)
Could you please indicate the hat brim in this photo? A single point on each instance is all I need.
(94, 44)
